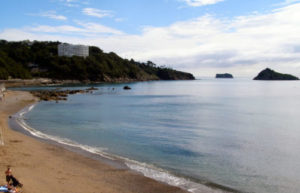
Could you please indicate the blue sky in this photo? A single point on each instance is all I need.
(129, 16)
(200, 36)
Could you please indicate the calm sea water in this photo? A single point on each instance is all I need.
(240, 134)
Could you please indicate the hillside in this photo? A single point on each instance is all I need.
(27, 60)
(269, 74)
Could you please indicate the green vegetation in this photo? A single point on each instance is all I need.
(269, 74)
(27, 60)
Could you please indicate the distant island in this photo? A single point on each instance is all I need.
(36, 59)
(226, 75)
(269, 74)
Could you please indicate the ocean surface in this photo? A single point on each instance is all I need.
(239, 133)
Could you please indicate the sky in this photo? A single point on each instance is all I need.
(203, 37)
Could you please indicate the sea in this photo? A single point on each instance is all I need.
(209, 135)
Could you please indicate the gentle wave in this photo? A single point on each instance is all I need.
(164, 176)
(146, 169)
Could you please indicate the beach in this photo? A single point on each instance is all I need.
(43, 167)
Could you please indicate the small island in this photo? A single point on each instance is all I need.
(269, 74)
(226, 75)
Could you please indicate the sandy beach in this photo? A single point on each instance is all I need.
(44, 168)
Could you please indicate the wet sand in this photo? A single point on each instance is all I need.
(44, 168)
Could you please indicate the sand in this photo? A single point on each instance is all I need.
(43, 167)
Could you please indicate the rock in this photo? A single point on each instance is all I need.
(126, 88)
(73, 91)
(226, 75)
(91, 88)
(269, 74)
(56, 95)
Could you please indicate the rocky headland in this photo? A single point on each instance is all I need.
(34, 60)
(269, 74)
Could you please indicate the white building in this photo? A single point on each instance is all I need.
(2, 90)
(2, 87)
(73, 50)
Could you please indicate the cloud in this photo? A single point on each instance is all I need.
(291, 1)
(246, 42)
(55, 29)
(119, 19)
(242, 45)
(197, 3)
(70, 3)
(51, 15)
(286, 2)
(95, 28)
(83, 29)
(74, 3)
(97, 12)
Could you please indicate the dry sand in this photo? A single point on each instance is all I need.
(46, 168)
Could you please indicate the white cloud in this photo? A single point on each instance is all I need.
(55, 29)
(286, 2)
(97, 12)
(197, 3)
(51, 15)
(291, 1)
(74, 3)
(119, 19)
(85, 29)
(243, 45)
(95, 28)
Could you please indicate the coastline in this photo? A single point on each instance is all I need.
(44, 167)
(13, 83)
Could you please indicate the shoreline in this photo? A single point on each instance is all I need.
(44, 167)
(46, 82)
(17, 123)
(184, 184)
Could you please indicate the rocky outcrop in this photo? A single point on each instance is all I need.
(269, 74)
(91, 89)
(226, 75)
(57, 95)
(126, 88)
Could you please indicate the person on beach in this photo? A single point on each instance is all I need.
(8, 173)
(12, 182)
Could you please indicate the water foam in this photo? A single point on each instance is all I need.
(168, 178)
(146, 169)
